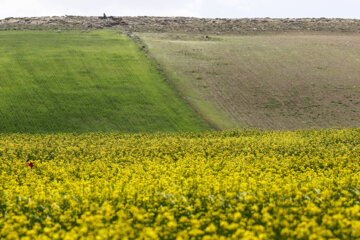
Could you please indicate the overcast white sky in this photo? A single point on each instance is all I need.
(195, 8)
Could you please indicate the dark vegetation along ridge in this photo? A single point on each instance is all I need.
(183, 24)
(97, 81)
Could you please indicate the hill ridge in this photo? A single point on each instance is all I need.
(183, 24)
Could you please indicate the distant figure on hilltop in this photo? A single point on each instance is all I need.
(103, 17)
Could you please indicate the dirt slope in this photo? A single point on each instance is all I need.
(272, 81)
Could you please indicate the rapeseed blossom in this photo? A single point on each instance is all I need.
(215, 185)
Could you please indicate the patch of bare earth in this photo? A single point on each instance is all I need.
(272, 81)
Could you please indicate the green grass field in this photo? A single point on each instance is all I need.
(281, 81)
(85, 82)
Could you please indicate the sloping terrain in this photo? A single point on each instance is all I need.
(85, 82)
(271, 81)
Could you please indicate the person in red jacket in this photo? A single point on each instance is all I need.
(30, 164)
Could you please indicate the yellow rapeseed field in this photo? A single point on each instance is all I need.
(216, 185)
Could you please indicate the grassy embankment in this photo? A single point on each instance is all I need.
(84, 82)
(271, 81)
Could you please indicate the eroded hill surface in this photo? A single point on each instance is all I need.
(271, 81)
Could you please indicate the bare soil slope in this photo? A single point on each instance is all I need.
(273, 81)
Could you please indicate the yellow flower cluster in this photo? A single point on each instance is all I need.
(215, 185)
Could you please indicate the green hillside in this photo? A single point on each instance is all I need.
(84, 82)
